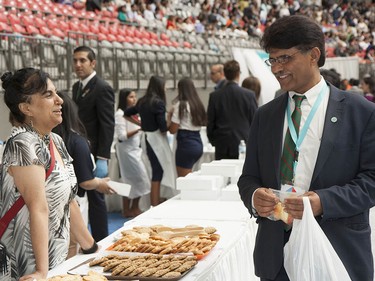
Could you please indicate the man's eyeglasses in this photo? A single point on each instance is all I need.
(281, 59)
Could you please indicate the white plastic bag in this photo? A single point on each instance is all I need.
(308, 255)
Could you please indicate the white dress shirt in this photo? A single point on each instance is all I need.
(309, 148)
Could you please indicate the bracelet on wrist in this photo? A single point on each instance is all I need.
(91, 250)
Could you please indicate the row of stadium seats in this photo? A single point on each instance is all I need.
(118, 63)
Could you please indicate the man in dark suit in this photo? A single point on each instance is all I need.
(334, 165)
(230, 112)
(95, 99)
(217, 75)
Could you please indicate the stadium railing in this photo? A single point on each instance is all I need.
(122, 65)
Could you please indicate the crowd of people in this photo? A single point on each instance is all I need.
(348, 25)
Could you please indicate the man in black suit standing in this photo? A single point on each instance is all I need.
(95, 99)
(217, 76)
(230, 113)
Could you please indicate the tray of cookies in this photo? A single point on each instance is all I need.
(142, 267)
(160, 239)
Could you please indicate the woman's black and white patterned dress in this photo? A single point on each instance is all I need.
(25, 148)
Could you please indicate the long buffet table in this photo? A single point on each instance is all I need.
(230, 259)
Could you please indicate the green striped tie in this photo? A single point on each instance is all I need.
(289, 151)
(79, 90)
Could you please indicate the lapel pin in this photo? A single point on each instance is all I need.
(334, 119)
(85, 92)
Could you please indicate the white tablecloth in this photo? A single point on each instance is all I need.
(230, 259)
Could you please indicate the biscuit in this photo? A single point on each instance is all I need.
(160, 272)
(137, 271)
(98, 261)
(210, 229)
(148, 272)
(127, 271)
(172, 274)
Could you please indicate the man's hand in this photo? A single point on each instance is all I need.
(101, 170)
(294, 205)
(264, 201)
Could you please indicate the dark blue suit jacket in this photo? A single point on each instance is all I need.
(230, 112)
(344, 179)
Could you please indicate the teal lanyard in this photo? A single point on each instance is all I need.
(302, 134)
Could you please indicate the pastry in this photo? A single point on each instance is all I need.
(172, 274)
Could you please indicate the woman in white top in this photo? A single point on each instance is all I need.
(186, 118)
(129, 153)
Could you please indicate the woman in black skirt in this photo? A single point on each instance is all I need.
(186, 118)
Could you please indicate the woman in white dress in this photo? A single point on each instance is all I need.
(129, 155)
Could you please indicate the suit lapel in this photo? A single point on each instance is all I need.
(277, 134)
(332, 125)
(88, 88)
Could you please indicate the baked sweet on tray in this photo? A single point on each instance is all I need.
(150, 265)
(160, 239)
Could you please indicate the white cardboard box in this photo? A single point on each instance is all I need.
(221, 168)
(200, 194)
(197, 181)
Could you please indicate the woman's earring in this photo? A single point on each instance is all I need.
(31, 124)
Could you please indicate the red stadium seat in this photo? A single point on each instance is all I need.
(3, 18)
(138, 34)
(38, 22)
(330, 52)
(53, 23)
(22, 5)
(102, 37)
(32, 30)
(74, 26)
(175, 44)
(146, 34)
(168, 43)
(137, 40)
(94, 28)
(14, 19)
(83, 27)
(9, 4)
(4, 27)
(164, 36)
(27, 20)
(121, 31)
(121, 38)
(113, 29)
(129, 39)
(103, 29)
(153, 35)
(146, 41)
(58, 33)
(161, 42)
(111, 37)
(56, 11)
(154, 41)
(44, 30)
(187, 45)
(34, 7)
(106, 14)
(17, 28)
(130, 31)
(63, 25)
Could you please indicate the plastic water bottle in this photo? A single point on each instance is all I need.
(242, 150)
